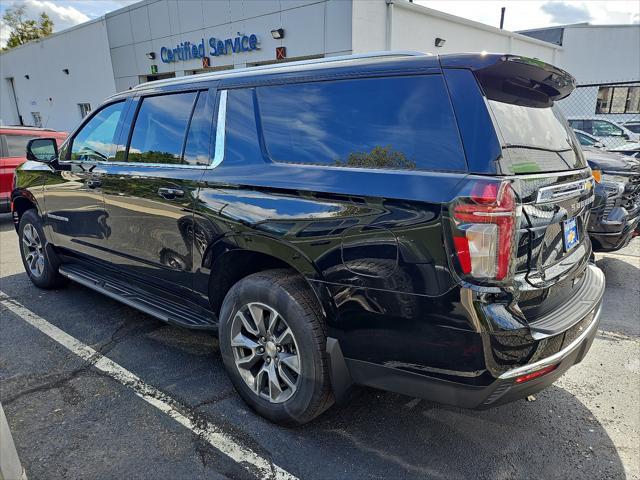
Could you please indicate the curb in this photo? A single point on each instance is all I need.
(10, 467)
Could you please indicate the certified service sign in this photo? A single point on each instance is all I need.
(189, 51)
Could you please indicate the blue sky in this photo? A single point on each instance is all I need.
(64, 13)
(69, 9)
(520, 15)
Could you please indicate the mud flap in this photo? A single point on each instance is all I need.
(341, 381)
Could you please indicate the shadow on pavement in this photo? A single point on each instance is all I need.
(376, 435)
(6, 222)
(622, 297)
(555, 436)
(619, 272)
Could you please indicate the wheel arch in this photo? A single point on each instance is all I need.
(235, 257)
(21, 202)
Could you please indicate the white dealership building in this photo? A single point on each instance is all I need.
(55, 81)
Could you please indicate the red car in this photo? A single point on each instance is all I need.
(13, 141)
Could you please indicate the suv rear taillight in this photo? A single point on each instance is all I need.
(483, 224)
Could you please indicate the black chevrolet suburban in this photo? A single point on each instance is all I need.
(413, 223)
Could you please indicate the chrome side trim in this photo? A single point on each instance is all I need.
(57, 217)
(555, 358)
(220, 131)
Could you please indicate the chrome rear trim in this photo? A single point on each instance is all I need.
(556, 358)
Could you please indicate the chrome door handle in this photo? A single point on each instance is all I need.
(170, 193)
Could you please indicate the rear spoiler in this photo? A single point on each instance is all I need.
(515, 79)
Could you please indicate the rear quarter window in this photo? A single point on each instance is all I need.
(404, 123)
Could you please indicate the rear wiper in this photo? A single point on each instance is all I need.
(531, 147)
(542, 149)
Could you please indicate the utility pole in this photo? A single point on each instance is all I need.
(502, 10)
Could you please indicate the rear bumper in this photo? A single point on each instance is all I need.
(559, 339)
(503, 390)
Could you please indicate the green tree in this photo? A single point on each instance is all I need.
(23, 29)
(378, 157)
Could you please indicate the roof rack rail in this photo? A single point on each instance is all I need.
(275, 66)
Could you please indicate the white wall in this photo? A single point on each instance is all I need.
(312, 27)
(415, 27)
(83, 50)
(596, 54)
(601, 53)
(369, 26)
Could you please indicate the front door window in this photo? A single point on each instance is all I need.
(96, 140)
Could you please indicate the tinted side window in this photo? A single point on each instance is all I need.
(584, 140)
(241, 145)
(95, 141)
(396, 123)
(17, 145)
(196, 150)
(577, 124)
(160, 128)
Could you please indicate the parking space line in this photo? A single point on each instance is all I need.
(205, 430)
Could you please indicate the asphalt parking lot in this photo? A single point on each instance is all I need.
(93, 389)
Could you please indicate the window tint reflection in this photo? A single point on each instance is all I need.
(160, 128)
(396, 123)
(95, 141)
(535, 139)
(241, 144)
(532, 127)
(196, 150)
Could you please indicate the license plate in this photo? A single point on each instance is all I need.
(570, 234)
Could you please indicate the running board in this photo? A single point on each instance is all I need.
(176, 311)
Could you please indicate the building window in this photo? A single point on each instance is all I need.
(37, 119)
(633, 100)
(618, 100)
(85, 108)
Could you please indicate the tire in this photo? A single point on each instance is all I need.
(39, 261)
(285, 296)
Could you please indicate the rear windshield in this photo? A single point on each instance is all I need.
(535, 140)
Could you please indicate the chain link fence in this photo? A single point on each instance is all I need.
(608, 112)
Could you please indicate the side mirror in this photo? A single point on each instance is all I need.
(598, 145)
(625, 136)
(43, 150)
